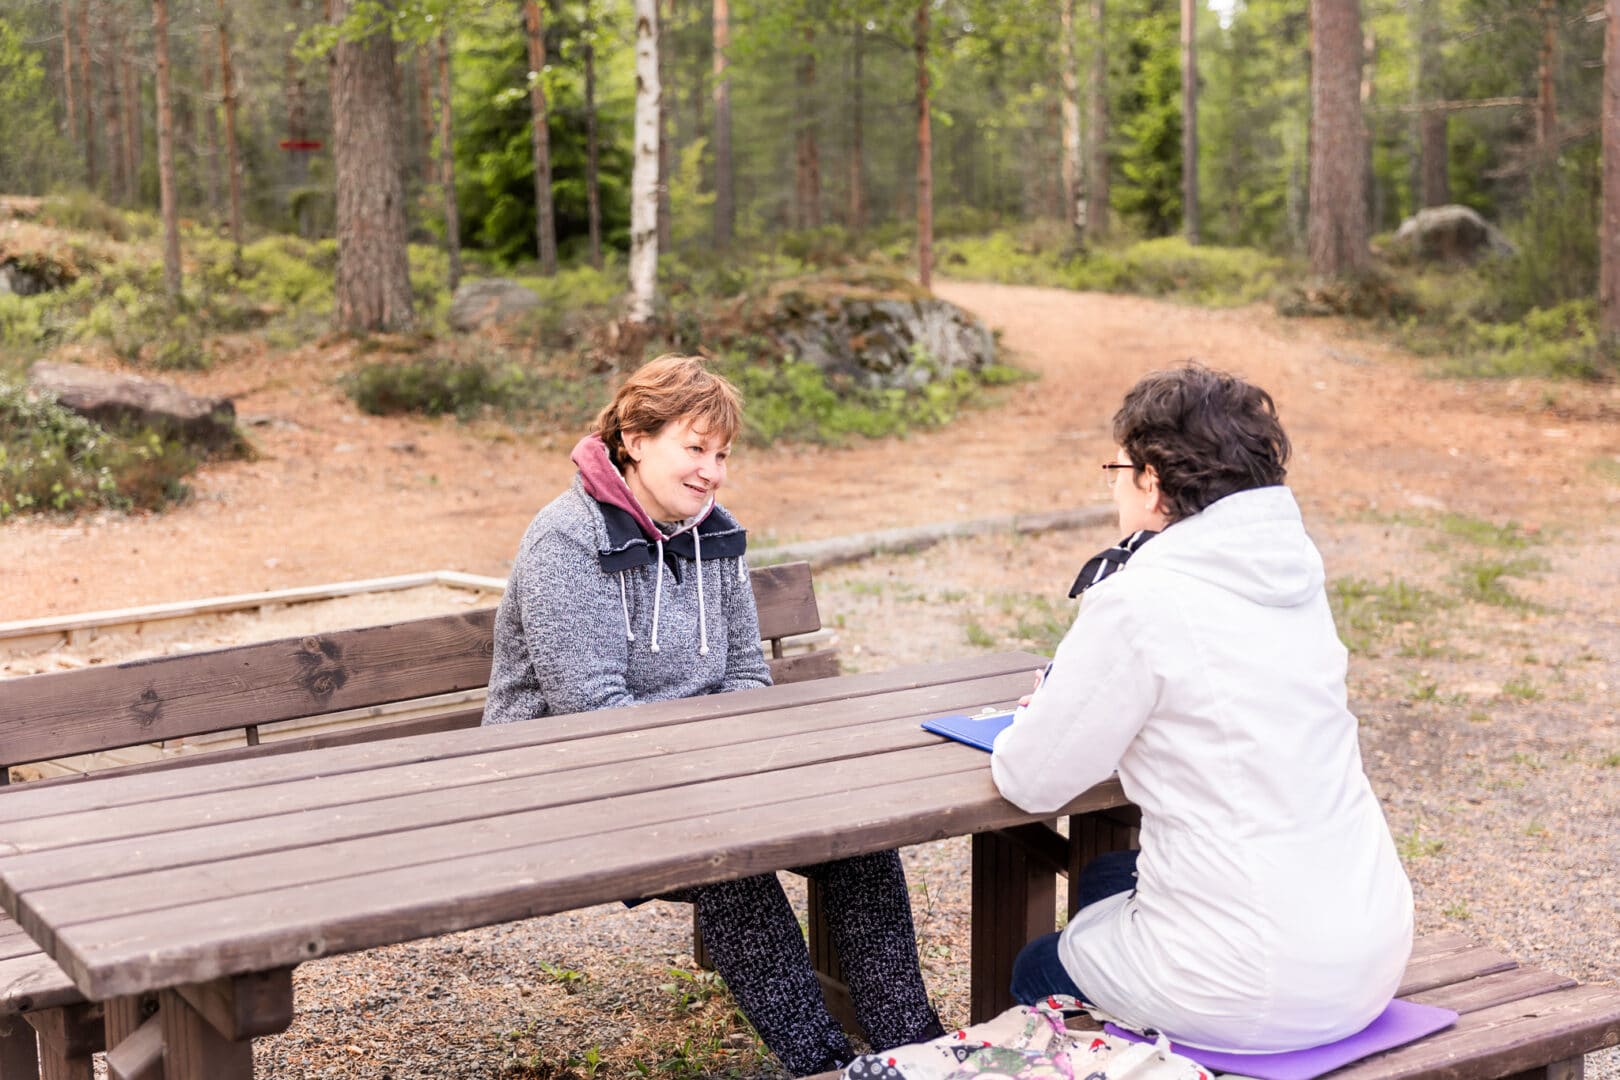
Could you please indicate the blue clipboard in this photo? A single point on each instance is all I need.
(979, 731)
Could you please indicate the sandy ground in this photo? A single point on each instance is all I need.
(1487, 718)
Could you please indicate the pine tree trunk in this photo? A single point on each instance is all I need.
(1071, 162)
(545, 226)
(1609, 228)
(368, 128)
(132, 126)
(210, 125)
(227, 88)
(1189, 120)
(1433, 152)
(426, 121)
(69, 98)
(297, 132)
(447, 165)
(593, 193)
(925, 155)
(112, 116)
(1433, 157)
(666, 46)
(165, 132)
(1546, 94)
(725, 208)
(807, 156)
(88, 82)
(644, 173)
(1097, 133)
(1338, 183)
(857, 130)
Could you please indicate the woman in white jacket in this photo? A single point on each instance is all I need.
(1267, 909)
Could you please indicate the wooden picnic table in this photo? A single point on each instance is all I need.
(199, 890)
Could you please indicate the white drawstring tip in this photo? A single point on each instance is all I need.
(654, 647)
(703, 651)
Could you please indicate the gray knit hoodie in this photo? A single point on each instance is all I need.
(606, 607)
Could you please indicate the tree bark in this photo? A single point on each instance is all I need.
(373, 274)
(925, 155)
(593, 192)
(210, 124)
(1071, 164)
(807, 156)
(88, 83)
(112, 120)
(644, 173)
(1546, 92)
(545, 225)
(1609, 228)
(1338, 184)
(165, 133)
(725, 208)
(1434, 165)
(426, 120)
(447, 165)
(857, 130)
(1097, 135)
(69, 98)
(227, 88)
(132, 125)
(297, 131)
(666, 46)
(1189, 119)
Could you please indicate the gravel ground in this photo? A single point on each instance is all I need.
(1487, 728)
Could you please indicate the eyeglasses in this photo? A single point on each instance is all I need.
(1108, 468)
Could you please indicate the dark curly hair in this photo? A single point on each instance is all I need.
(1207, 434)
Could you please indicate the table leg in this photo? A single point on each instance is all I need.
(1014, 900)
(193, 1049)
(1093, 834)
(68, 1040)
(824, 959)
(134, 1038)
(19, 1049)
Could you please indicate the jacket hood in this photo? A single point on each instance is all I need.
(1252, 543)
(604, 483)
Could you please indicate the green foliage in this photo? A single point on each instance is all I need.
(1150, 122)
(796, 401)
(81, 210)
(1369, 613)
(1555, 239)
(440, 385)
(52, 459)
(1414, 845)
(1482, 580)
(34, 156)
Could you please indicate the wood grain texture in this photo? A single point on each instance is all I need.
(1014, 901)
(34, 981)
(1514, 984)
(139, 1055)
(19, 1049)
(258, 1003)
(193, 1049)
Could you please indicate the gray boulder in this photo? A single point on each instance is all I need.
(114, 401)
(488, 302)
(885, 343)
(19, 281)
(1450, 234)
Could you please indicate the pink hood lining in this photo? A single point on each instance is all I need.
(604, 483)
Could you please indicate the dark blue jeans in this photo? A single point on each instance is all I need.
(1039, 971)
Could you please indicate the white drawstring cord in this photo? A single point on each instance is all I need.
(742, 573)
(624, 602)
(658, 592)
(703, 619)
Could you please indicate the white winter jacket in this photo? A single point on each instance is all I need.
(1271, 910)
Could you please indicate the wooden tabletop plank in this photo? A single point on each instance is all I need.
(262, 855)
(148, 819)
(1505, 1039)
(197, 942)
(21, 802)
(34, 982)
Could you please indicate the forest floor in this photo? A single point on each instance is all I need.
(1472, 538)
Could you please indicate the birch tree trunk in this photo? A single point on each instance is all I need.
(1609, 227)
(644, 173)
(447, 165)
(373, 275)
(227, 87)
(1097, 130)
(1189, 119)
(666, 96)
(1071, 164)
(593, 190)
(545, 226)
(1338, 181)
(925, 155)
(725, 207)
(165, 133)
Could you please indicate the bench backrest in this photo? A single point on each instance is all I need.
(92, 709)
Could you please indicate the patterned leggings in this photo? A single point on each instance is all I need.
(757, 947)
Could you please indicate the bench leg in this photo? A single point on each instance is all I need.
(1571, 1069)
(1014, 900)
(19, 1049)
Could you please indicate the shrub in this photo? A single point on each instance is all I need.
(437, 385)
(81, 210)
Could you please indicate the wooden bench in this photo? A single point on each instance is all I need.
(248, 688)
(1515, 1021)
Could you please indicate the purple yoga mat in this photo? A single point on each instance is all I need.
(1402, 1022)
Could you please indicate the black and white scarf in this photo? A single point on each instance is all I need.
(1110, 561)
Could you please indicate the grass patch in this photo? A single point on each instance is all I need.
(1607, 469)
(1414, 845)
(977, 636)
(1483, 533)
(1169, 267)
(1521, 688)
(1483, 580)
(1369, 613)
(53, 460)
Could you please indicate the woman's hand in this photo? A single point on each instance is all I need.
(1040, 676)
